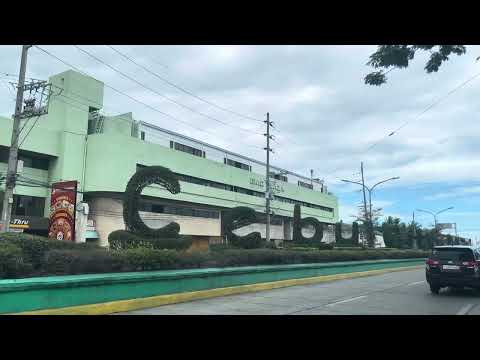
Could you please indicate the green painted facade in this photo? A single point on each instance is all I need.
(104, 162)
(63, 291)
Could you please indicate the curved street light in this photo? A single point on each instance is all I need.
(435, 214)
(370, 190)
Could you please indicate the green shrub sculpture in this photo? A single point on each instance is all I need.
(299, 223)
(352, 241)
(124, 240)
(144, 177)
(236, 218)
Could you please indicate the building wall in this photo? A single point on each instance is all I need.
(105, 162)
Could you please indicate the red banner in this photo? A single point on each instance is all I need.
(62, 211)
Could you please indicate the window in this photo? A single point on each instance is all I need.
(459, 254)
(28, 205)
(227, 187)
(305, 185)
(237, 164)
(189, 149)
(280, 177)
(29, 159)
(142, 135)
(152, 207)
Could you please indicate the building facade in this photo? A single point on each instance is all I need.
(75, 141)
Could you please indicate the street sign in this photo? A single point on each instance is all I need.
(444, 226)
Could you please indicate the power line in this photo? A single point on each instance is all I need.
(163, 96)
(131, 97)
(425, 110)
(181, 88)
(391, 133)
(35, 123)
(128, 120)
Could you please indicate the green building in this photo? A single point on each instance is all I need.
(74, 141)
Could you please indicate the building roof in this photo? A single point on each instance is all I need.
(155, 127)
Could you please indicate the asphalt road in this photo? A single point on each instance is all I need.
(397, 293)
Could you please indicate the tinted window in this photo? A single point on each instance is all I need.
(453, 254)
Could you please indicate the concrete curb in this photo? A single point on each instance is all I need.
(154, 301)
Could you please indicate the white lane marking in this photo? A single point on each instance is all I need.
(464, 310)
(347, 300)
(416, 283)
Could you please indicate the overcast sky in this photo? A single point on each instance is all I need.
(325, 117)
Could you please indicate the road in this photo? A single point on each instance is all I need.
(397, 293)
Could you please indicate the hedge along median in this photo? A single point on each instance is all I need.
(21, 295)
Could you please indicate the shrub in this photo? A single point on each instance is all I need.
(70, 262)
(124, 240)
(11, 261)
(34, 247)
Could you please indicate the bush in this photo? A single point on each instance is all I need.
(11, 261)
(85, 259)
(70, 262)
(35, 247)
(124, 240)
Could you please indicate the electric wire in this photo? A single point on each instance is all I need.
(161, 95)
(181, 88)
(133, 98)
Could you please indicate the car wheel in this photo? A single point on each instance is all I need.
(435, 289)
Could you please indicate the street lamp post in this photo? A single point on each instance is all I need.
(370, 190)
(435, 217)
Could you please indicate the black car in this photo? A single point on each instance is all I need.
(453, 266)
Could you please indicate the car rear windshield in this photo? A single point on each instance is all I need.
(453, 254)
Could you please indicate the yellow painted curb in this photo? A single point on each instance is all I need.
(154, 301)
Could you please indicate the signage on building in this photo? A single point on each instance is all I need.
(261, 183)
(62, 211)
(445, 226)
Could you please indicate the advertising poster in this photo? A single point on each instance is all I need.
(62, 211)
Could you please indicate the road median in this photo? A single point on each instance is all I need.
(96, 294)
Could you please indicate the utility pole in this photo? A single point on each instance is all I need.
(415, 246)
(267, 180)
(13, 154)
(311, 177)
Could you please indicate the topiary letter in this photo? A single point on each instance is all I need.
(143, 177)
(299, 223)
(352, 241)
(236, 218)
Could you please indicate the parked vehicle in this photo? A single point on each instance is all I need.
(453, 266)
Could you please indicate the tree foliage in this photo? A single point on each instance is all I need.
(389, 57)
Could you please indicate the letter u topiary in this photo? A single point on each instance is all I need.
(352, 241)
(143, 177)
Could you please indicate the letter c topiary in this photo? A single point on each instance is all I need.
(146, 176)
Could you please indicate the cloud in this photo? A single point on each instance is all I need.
(325, 116)
(462, 191)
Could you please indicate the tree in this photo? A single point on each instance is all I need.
(369, 221)
(389, 57)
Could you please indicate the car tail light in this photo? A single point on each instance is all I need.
(470, 264)
(431, 262)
